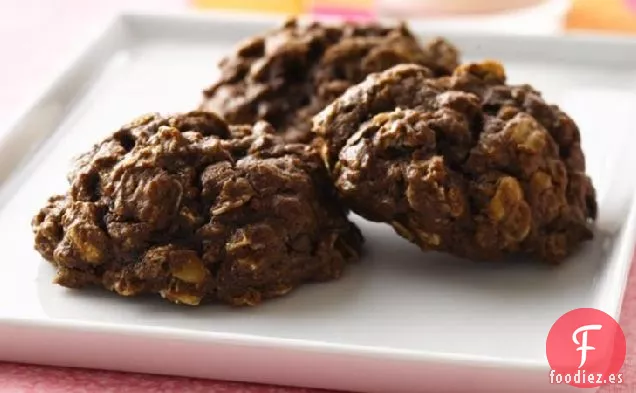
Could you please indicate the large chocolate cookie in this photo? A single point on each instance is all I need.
(192, 209)
(463, 164)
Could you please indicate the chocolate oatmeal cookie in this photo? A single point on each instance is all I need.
(190, 208)
(289, 74)
(464, 164)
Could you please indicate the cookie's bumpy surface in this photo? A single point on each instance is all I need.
(194, 210)
(463, 164)
(289, 74)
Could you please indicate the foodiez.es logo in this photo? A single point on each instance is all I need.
(586, 348)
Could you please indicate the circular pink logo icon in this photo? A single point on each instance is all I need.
(586, 348)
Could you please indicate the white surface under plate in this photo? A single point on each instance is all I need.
(400, 321)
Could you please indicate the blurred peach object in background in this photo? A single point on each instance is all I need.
(607, 15)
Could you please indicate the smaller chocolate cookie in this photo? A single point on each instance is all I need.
(291, 73)
(462, 164)
(190, 208)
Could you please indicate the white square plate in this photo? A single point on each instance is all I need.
(400, 321)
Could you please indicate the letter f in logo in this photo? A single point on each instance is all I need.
(583, 344)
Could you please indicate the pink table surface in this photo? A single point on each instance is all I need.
(35, 36)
